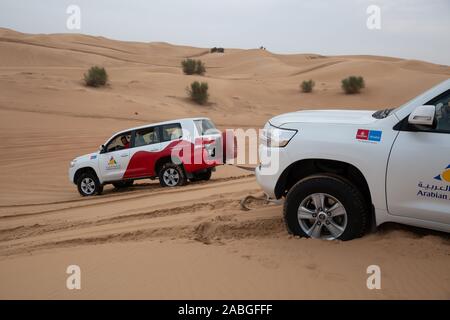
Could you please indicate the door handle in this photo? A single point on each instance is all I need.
(124, 155)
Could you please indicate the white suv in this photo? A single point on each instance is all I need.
(342, 171)
(172, 151)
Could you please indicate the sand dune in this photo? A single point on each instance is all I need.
(197, 244)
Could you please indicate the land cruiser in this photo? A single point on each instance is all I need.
(173, 151)
(342, 171)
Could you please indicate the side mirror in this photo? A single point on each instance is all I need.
(423, 115)
(102, 148)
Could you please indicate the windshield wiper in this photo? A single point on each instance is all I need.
(381, 114)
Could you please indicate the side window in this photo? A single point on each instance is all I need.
(120, 142)
(171, 132)
(442, 116)
(205, 126)
(442, 104)
(146, 136)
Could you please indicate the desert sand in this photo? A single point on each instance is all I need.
(149, 242)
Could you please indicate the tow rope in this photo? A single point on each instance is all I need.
(252, 169)
(264, 198)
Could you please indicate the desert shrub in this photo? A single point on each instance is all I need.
(307, 86)
(353, 84)
(96, 77)
(191, 66)
(199, 92)
(215, 49)
(200, 69)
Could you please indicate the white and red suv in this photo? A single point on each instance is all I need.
(173, 151)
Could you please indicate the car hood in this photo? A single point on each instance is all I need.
(324, 116)
(86, 157)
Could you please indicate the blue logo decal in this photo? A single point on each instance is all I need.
(375, 135)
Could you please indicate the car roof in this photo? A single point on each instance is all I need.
(160, 123)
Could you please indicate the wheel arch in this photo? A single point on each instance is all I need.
(306, 167)
(82, 170)
(166, 159)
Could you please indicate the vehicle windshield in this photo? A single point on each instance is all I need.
(426, 96)
(120, 142)
(383, 113)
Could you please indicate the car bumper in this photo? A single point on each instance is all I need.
(71, 174)
(266, 182)
(269, 170)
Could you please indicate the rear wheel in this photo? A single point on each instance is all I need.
(325, 207)
(88, 184)
(171, 175)
(123, 184)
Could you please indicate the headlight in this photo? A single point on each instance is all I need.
(276, 137)
(72, 163)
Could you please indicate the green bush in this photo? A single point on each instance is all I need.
(307, 86)
(199, 92)
(96, 77)
(191, 66)
(353, 84)
(201, 69)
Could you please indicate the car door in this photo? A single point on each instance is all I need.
(418, 174)
(144, 153)
(113, 161)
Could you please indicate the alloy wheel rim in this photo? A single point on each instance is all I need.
(171, 177)
(88, 185)
(322, 216)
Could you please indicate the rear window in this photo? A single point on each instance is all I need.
(146, 136)
(171, 132)
(205, 126)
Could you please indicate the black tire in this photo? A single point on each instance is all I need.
(177, 172)
(202, 176)
(100, 189)
(357, 213)
(88, 185)
(123, 184)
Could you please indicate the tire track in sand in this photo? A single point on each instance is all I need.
(216, 230)
(33, 230)
(134, 213)
(113, 197)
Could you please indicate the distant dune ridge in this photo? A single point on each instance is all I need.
(146, 78)
(192, 242)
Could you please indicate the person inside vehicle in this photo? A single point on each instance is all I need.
(444, 117)
(125, 142)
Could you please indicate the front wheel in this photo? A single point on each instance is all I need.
(325, 207)
(88, 185)
(171, 175)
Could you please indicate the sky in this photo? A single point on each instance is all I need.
(412, 29)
